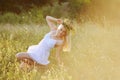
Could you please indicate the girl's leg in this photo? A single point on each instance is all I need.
(26, 67)
(27, 61)
(23, 56)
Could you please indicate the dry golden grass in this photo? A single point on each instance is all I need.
(95, 53)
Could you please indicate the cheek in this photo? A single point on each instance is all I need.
(61, 32)
(64, 33)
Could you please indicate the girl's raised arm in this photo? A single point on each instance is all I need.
(51, 22)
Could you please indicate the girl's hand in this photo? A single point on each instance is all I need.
(59, 21)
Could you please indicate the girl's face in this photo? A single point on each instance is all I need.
(61, 31)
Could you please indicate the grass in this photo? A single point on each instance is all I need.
(94, 55)
(17, 38)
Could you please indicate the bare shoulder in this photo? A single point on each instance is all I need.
(53, 31)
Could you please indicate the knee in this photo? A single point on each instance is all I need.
(18, 56)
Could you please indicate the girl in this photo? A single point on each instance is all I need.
(56, 38)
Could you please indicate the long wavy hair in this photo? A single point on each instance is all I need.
(67, 39)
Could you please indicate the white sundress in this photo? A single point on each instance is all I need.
(40, 53)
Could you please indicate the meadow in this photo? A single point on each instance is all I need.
(95, 53)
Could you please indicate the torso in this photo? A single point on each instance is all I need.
(40, 53)
(59, 40)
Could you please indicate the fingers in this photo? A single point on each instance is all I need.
(59, 21)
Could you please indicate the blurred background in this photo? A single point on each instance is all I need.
(27, 11)
(95, 49)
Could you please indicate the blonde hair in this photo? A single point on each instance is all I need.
(67, 43)
(68, 26)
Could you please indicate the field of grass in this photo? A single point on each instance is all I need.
(94, 55)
